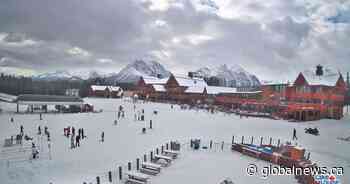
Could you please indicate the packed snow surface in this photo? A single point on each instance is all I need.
(124, 142)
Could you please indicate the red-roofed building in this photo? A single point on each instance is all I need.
(316, 96)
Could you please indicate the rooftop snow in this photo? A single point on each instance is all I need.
(185, 81)
(329, 79)
(98, 88)
(195, 89)
(159, 88)
(154, 80)
(213, 90)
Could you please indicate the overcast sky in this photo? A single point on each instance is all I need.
(270, 38)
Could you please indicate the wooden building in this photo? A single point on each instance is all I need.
(105, 91)
(312, 97)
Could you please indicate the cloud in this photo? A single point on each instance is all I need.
(183, 35)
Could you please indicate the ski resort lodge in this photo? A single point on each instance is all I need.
(311, 96)
(105, 91)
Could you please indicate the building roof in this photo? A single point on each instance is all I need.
(154, 80)
(159, 88)
(213, 90)
(326, 80)
(187, 82)
(48, 99)
(114, 88)
(195, 89)
(98, 88)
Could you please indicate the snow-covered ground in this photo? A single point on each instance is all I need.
(125, 142)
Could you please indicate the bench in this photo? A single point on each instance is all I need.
(136, 177)
(171, 153)
(134, 181)
(149, 171)
(152, 166)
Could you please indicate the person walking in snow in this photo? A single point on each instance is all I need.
(21, 130)
(39, 130)
(72, 142)
(103, 137)
(73, 131)
(295, 134)
(82, 133)
(77, 141)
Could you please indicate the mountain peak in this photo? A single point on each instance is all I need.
(230, 75)
(133, 71)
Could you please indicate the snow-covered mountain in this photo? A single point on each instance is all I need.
(132, 72)
(57, 75)
(230, 76)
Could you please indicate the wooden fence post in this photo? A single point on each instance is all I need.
(98, 180)
(270, 140)
(162, 148)
(157, 151)
(151, 156)
(233, 139)
(129, 166)
(137, 164)
(145, 158)
(261, 141)
(120, 173)
(278, 143)
(110, 176)
(242, 139)
(252, 141)
(167, 146)
(211, 144)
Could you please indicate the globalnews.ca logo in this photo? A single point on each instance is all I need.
(326, 179)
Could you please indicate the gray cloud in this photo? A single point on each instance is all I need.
(272, 37)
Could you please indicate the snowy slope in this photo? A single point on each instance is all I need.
(132, 72)
(231, 76)
(125, 142)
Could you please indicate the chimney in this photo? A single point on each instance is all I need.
(319, 70)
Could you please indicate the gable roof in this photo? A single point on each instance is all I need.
(213, 90)
(300, 80)
(195, 89)
(98, 88)
(154, 80)
(159, 88)
(187, 82)
(114, 88)
(324, 80)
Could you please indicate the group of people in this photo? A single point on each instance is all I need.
(74, 139)
(46, 132)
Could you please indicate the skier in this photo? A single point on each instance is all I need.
(68, 131)
(72, 142)
(39, 130)
(82, 133)
(103, 136)
(46, 130)
(77, 141)
(22, 132)
(35, 152)
(295, 134)
(48, 135)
